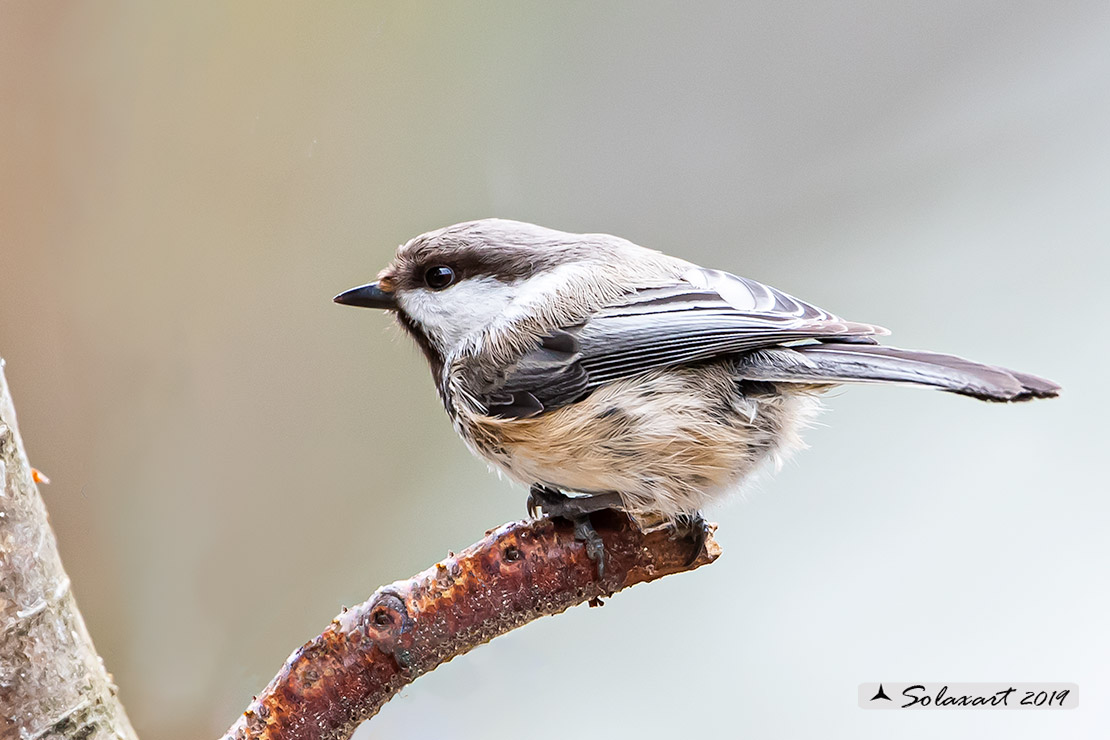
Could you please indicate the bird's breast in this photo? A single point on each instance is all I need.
(669, 441)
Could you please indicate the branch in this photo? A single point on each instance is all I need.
(53, 686)
(518, 573)
(52, 683)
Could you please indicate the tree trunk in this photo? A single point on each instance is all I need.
(53, 684)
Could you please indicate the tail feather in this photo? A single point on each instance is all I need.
(872, 363)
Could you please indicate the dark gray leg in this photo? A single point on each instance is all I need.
(694, 527)
(576, 509)
(557, 503)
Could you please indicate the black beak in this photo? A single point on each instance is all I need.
(367, 296)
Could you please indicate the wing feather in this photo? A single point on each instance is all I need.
(708, 314)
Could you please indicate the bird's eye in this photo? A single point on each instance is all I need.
(439, 277)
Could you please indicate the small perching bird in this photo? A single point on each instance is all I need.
(585, 364)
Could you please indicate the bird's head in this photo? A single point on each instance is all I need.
(448, 285)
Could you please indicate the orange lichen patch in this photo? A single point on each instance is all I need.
(518, 573)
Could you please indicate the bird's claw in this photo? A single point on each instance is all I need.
(595, 547)
(548, 499)
(575, 509)
(696, 528)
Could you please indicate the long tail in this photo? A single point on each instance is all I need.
(873, 363)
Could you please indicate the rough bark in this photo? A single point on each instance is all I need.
(518, 573)
(53, 684)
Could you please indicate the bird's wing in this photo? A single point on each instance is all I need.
(706, 314)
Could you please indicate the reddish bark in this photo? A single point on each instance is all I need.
(519, 572)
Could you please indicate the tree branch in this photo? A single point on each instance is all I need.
(53, 685)
(518, 573)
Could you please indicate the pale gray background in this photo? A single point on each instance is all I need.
(183, 189)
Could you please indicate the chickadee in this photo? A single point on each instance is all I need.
(585, 364)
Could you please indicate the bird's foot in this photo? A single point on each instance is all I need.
(595, 547)
(547, 499)
(577, 510)
(692, 527)
(557, 503)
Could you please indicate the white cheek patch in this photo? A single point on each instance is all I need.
(539, 289)
(448, 315)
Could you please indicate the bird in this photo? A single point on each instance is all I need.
(605, 375)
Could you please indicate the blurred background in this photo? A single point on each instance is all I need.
(184, 187)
